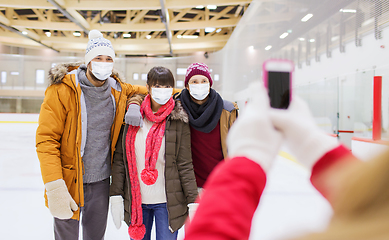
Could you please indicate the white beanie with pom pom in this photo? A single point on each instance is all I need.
(98, 45)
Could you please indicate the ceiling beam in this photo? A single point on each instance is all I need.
(119, 4)
(73, 16)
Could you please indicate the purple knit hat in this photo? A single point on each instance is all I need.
(198, 69)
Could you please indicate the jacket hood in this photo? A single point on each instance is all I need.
(58, 72)
(178, 113)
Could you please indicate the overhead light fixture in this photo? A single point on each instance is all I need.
(268, 47)
(148, 36)
(126, 35)
(289, 31)
(312, 40)
(211, 7)
(333, 39)
(302, 39)
(284, 35)
(348, 10)
(76, 34)
(251, 48)
(307, 17)
(179, 36)
(24, 33)
(48, 34)
(200, 7)
(219, 30)
(209, 29)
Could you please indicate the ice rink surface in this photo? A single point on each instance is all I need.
(289, 206)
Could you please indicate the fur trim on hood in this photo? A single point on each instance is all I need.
(58, 72)
(179, 113)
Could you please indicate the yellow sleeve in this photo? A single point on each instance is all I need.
(48, 135)
(134, 89)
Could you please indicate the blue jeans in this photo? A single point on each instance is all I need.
(159, 211)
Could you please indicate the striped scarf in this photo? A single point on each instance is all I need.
(148, 175)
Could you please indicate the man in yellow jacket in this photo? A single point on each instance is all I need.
(79, 124)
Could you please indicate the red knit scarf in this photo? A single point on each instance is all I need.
(149, 175)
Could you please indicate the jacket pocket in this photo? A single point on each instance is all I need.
(69, 176)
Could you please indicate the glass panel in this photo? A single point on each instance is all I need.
(363, 104)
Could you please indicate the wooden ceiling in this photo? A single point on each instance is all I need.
(135, 27)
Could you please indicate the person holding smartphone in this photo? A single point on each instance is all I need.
(210, 118)
(356, 190)
(152, 171)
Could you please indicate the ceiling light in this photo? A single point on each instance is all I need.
(289, 31)
(312, 40)
(268, 47)
(209, 29)
(302, 39)
(307, 17)
(200, 7)
(77, 34)
(211, 7)
(251, 48)
(284, 35)
(126, 35)
(48, 34)
(148, 36)
(348, 10)
(179, 36)
(219, 30)
(24, 33)
(190, 36)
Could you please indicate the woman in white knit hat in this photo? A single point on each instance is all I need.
(79, 124)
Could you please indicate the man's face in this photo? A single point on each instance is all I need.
(101, 58)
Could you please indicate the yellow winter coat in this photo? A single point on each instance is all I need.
(59, 138)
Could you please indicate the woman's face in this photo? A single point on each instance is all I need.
(197, 79)
(160, 94)
(156, 86)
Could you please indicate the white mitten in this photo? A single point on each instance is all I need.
(117, 210)
(192, 210)
(253, 134)
(133, 116)
(307, 142)
(61, 204)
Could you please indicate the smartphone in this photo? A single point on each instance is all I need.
(277, 77)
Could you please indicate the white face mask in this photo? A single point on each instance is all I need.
(102, 70)
(161, 95)
(199, 91)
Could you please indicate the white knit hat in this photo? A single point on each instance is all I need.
(98, 45)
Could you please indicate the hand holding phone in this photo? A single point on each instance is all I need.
(277, 77)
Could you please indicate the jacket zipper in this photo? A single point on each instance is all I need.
(78, 152)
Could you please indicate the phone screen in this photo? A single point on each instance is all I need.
(279, 89)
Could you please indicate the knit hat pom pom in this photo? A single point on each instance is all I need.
(95, 34)
(137, 232)
(149, 177)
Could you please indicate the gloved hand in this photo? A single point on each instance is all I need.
(133, 116)
(307, 142)
(61, 204)
(253, 134)
(192, 210)
(117, 210)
